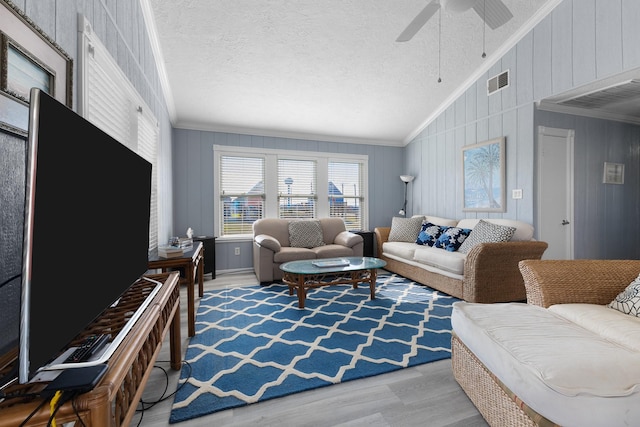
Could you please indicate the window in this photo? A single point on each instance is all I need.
(297, 188)
(241, 193)
(264, 183)
(345, 193)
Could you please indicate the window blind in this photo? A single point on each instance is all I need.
(345, 193)
(242, 193)
(297, 192)
(254, 183)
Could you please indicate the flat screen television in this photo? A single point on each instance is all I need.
(86, 228)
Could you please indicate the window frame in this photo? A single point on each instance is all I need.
(271, 157)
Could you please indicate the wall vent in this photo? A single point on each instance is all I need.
(622, 92)
(498, 82)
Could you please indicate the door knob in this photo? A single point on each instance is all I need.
(565, 222)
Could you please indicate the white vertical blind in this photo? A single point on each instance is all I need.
(110, 101)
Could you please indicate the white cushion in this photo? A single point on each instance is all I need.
(403, 250)
(600, 319)
(440, 258)
(523, 231)
(440, 221)
(560, 369)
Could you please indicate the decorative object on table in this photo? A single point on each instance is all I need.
(170, 251)
(406, 179)
(483, 176)
(254, 344)
(185, 243)
(190, 233)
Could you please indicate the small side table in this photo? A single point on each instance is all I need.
(368, 238)
(191, 266)
(209, 243)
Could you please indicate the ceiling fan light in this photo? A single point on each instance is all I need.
(457, 5)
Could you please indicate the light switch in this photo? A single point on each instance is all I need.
(516, 194)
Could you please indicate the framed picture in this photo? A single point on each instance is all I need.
(483, 176)
(28, 58)
(613, 173)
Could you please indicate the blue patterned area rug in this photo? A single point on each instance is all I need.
(254, 343)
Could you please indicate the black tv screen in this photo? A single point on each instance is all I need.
(86, 235)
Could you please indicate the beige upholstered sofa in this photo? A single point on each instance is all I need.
(276, 241)
(570, 356)
(486, 273)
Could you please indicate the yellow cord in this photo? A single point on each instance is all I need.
(52, 405)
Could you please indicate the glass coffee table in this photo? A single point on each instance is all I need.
(314, 273)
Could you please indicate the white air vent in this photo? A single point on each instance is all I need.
(498, 82)
(615, 97)
(624, 91)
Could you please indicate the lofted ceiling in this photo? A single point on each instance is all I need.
(322, 69)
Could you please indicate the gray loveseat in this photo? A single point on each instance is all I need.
(276, 241)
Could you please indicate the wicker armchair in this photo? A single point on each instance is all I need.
(547, 282)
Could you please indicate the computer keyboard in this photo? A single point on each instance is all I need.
(88, 348)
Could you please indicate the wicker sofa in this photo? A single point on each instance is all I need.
(274, 243)
(487, 273)
(564, 358)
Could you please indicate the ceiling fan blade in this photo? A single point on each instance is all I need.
(419, 21)
(497, 13)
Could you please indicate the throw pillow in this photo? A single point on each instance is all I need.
(405, 229)
(305, 234)
(485, 232)
(628, 301)
(429, 233)
(452, 238)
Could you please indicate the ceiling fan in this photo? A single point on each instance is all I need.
(494, 13)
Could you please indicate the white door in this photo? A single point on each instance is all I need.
(555, 191)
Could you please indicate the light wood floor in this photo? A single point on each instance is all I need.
(425, 395)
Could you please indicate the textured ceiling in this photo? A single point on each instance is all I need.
(322, 69)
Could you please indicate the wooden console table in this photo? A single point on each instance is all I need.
(114, 400)
(192, 265)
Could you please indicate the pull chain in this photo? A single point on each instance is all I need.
(484, 27)
(439, 41)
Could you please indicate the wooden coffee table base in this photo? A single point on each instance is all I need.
(301, 282)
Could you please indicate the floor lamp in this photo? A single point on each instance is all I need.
(406, 179)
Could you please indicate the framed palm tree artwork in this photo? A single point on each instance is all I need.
(484, 176)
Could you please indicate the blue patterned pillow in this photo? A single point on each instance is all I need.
(452, 238)
(429, 233)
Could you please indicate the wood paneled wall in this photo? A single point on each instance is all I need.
(120, 26)
(579, 42)
(194, 177)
